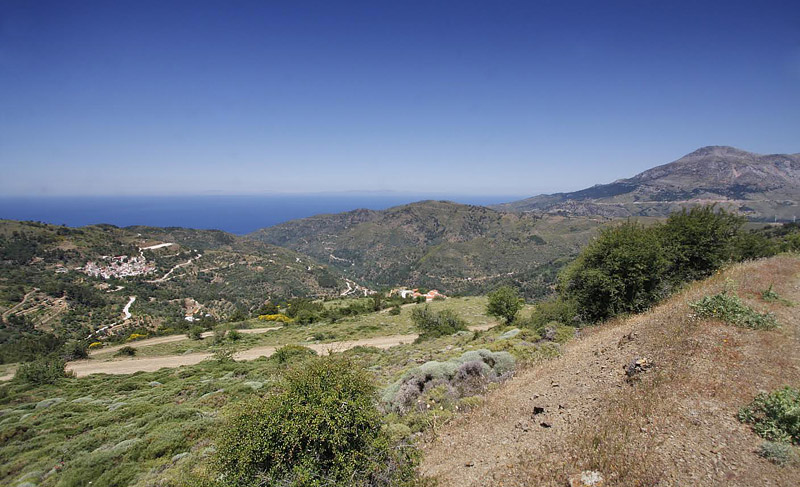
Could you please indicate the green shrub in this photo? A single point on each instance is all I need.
(292, 353)
(698, 241)
(195, 333)
(321, 429)
(775, 416)
(125, 351)
(504, 303)
(42, 371)
(432, 324)
(621, 271)
(730, 309)
(394, 311)
(554, 310)
(75, 350)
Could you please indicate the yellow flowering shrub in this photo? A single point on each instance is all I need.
(280, 317)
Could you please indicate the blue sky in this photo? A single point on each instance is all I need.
(454, 97)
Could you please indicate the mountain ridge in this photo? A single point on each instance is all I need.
(761, 186)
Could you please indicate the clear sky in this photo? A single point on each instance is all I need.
(489, 97)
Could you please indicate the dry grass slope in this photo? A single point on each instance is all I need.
(675, 426)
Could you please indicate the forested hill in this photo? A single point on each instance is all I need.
(453, 247)
(57, 277)
(762, 187)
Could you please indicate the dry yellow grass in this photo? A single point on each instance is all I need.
(675, 426)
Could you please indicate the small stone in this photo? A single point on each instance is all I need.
(154, 383)
(537, 410)
(469, 464)
(545, 425)
(587, 478)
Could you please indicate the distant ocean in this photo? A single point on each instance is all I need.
(235, 214)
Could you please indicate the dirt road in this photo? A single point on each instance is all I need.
(150, 364)
(147, 342)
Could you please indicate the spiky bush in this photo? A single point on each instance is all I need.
(775, 416)
(730, 309)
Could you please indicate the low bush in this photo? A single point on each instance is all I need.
(432, 324)
(125, 351)
(464, 376)
(292, 353)
(278, 317)
(42, 371)
(775, 416)
(554, 310)
(777, 453)
(75, 350)
(322, 428)
(195, 333)
(730, 309)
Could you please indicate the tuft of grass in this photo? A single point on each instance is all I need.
(775, 416)
(730, 309)
(777, 453)
(770, 296)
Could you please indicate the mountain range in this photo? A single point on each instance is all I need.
(762, 187)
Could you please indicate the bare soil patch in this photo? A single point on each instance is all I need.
(672, 424)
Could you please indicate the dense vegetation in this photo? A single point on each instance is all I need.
(321, 428)
(46, 299)
(457, 249)
(630, 266)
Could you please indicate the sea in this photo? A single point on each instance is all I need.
(239, 214)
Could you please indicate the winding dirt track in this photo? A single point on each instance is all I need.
(150, 364)
(147, 342)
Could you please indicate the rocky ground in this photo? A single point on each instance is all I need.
(672, 423)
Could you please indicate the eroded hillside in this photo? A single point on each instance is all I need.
(673, 424)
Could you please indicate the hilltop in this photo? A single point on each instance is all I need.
(438, 244)
(763, 187)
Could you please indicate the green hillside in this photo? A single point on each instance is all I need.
(438, 244)
(75, 280)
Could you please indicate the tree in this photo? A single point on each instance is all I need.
(622, 270)
(698, 241)
(504, 303)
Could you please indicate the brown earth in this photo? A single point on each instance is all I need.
(675, 426)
